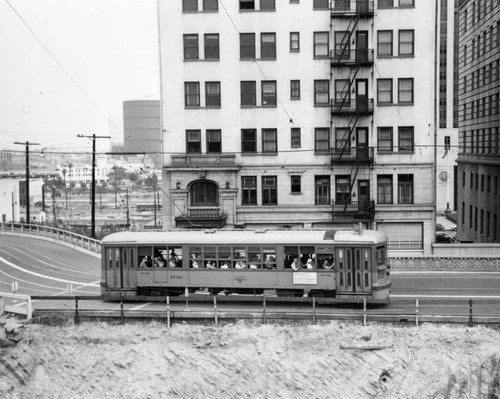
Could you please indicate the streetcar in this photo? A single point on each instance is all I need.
(347, 266)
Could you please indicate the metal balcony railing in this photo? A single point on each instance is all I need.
(342, 57)
(352, 155)
(202, 217)
(349, 107)
(357, 209)
(351, 8)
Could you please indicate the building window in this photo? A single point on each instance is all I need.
(295, 90)
(384, 91)
(248, 190)
(342, 140)
(384, 189)
(247, 4)
(269, 141)
(269, 190)
(322, 140)
(248, 140)
(384, 43)
(204, 193)
(406, 3)
(385, 139)
(321, 92)
(342, 45)
(295, 184)
(320, 4)
(189, 5)
(405, 91)
(192, 94)
(247, 46)
(193, 141)
(269, 97)
(343, 189)
(385, 3)
(406, 139)
(212, 94)
(405, 189)
(342, 92)
(295, 137)
(267, 5)
(268, 45)
(191, 47)
(214, 142)
(210, 5)
(447, 143)
(211, 46)
(406, 42)
(322, 190)
(321, 44)
(294, 41)
(248, 93)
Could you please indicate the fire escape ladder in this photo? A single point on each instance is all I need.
(355, 169)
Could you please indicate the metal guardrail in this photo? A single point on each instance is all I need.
(63, 236)
(466, 311)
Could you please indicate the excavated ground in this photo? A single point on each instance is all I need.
(242, 360)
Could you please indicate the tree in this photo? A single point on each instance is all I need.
(116, 175)
(151, 180)
(133, 177)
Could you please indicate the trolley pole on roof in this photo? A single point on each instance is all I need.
(92, 201)
(27, 144)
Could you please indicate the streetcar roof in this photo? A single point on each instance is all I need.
(207, 237)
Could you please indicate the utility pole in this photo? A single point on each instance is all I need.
(128, 212)
(93, 137)
(27, 144)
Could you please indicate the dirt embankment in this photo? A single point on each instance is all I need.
(334, 360)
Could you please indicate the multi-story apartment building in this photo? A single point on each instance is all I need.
(301, 113)
(479, 122)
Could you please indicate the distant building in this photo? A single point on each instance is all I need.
(307, 114)
(142, 128)
(479, 122)
(10, 207)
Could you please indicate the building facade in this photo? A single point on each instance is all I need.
(306, 114)
(142, 128)
(479, 122)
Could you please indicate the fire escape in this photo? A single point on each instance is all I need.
(351, 109)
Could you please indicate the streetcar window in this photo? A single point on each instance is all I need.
(381, 255)
(144, 257)
(307, 257)
(109, 258)
(290, 254)
(224, 258)
(254, 258)
(269, 256)
(209, 257)
(117, 257)
(366, 259)
(195, 257)
(174, 256)
(340, 259)
(381, 274)
(326, 261)
(239, 257)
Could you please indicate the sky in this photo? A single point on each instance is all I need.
(83, 59)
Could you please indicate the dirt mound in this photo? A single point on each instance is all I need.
(334, 360)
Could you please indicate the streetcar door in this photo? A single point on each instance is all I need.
(362, 269)
(345, 270)
(113, 268)
(128, 276)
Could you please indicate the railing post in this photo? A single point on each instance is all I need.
(77, 318)
(470, 313)
(416, 312)
(168, 311)
(122, 314)
(364, 312)
(264, 315)
(314, 310)
(215, 311)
